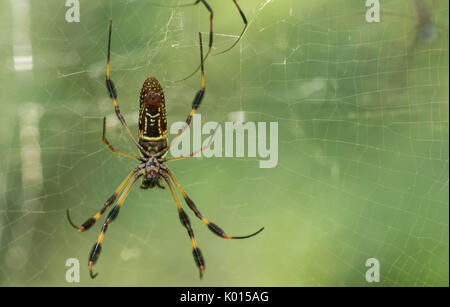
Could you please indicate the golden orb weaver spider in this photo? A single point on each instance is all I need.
(152, 147)
(211, 15)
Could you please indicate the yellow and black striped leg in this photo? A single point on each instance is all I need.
(197, 99)
(113, 94)
(97, 248)
(244, 19)
(203, 59)
(184, 219)
(192, 154)
(211, 16)
(199, 96)
(91, 221)
(211, 226)
(112, 148)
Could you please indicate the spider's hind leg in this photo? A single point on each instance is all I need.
(211, 226)
(97, 248)
(184, 219)
(91, 221)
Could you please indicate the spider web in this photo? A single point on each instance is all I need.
(363, 138)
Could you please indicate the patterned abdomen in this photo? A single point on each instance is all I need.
(152, 112)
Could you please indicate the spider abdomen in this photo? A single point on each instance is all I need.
(152, 115)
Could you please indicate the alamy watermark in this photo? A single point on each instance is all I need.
(373, 273)
(73, 12)
(234, 139)
(73, 273)
(373, 13)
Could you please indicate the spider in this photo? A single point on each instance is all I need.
(152, 147)
(211, 14)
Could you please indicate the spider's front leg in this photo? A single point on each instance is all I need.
(197, 99)
(211, 34)
(244, 19)
(113, 94)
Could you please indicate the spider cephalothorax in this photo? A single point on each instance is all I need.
(152, 147)
(153, 173)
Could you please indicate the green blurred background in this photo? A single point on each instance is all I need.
(363, 166)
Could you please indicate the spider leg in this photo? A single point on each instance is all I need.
(91, 221)
(244, 19)
(211, 226)
(112, 148)
(113, 94)
(97, 248)
(184, 219)
(211, 137)
(160, 184)
(197, 99)
(211, 15)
